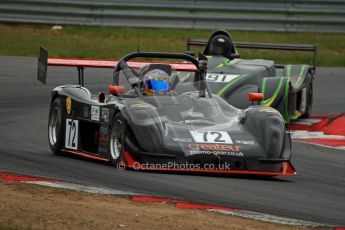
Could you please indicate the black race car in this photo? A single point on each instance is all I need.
(287, 88)
(184, 127)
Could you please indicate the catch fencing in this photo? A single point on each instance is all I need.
(256, 15)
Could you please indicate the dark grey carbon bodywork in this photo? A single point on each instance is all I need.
(192, 127)
(161, 129)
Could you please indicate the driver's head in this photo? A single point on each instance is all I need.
(220, 44)
(155, 82)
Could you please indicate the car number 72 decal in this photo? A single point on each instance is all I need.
(221, 137)
(71, 139)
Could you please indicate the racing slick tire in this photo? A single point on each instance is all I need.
(309, 103)
(56, 126)
(117, 141)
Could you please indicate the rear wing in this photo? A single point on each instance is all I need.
(261, 45)
(44, 61)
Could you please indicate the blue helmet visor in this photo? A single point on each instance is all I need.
(159, 85)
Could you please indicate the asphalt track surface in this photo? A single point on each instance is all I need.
(317, 193)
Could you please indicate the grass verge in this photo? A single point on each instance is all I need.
(114, 42)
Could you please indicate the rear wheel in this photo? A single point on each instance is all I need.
(117, 139)
(56, 126)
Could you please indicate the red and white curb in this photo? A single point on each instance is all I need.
(136, 197)
(60, 184)
(232, 211)
(326, 130)
(82, 188)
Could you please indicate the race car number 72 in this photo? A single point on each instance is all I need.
(71, 139)
(211, 137)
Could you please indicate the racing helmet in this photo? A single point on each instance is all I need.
(221, 45)
(154, 81)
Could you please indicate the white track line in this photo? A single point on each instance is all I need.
(268, 218)
(314, 134)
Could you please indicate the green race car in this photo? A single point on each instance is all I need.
(287, 88)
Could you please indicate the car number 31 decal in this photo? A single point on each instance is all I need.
(221, 137)
(71, 140)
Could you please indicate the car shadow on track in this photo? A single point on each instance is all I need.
(195, 174)
(216, 175)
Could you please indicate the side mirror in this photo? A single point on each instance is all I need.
(255, 97)
(116, 90)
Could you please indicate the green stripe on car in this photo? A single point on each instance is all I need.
(227, 86)
(269, 101)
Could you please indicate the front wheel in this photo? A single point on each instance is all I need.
(117, 139)
(56, 126)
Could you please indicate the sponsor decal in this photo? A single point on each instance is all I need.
(178, 139)
(140, 106)
(217, 153)
(245, 142)
(105, 114)
(71, 139)
(196, 114)
(221, 137)
(68, 105)
(95, 113)
(190, 122)
(215, 149)
(218, 147)
(86, 112)
(220, 77)
(192, 114)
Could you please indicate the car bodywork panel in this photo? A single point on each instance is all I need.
(282, 88)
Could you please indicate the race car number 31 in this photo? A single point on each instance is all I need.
(211, 137)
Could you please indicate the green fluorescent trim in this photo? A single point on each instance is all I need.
(236, 60)
(289, 67)
(223, 63)
(263, 87)
(227, 86)
(228, 62)
(286, 97)
(269, 101)
(295, 115)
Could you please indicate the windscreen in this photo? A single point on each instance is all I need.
(157, 81)
(174, 97)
